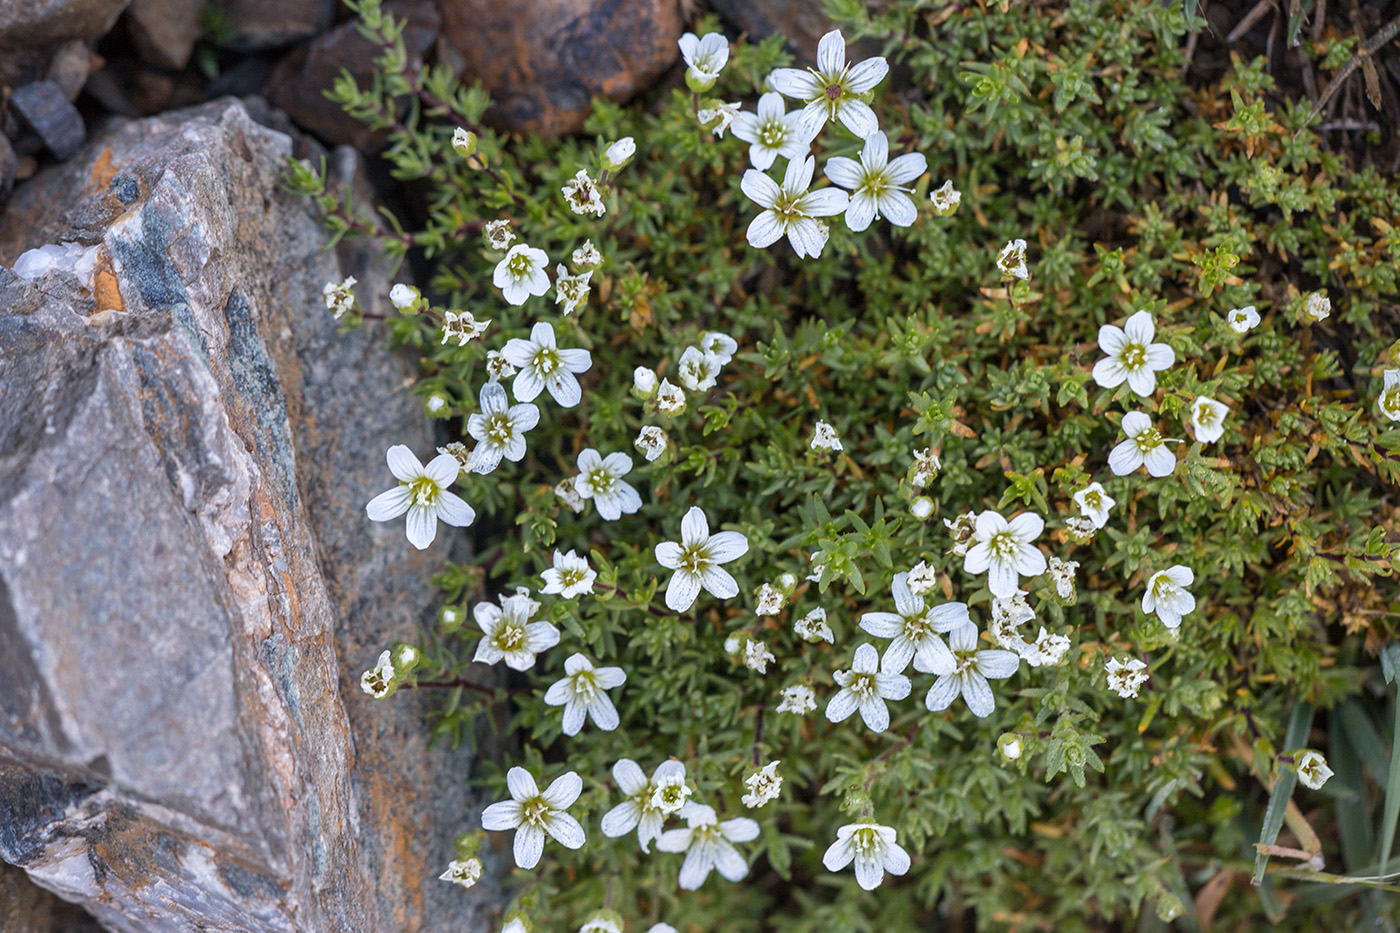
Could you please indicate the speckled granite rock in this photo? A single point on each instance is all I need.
(188, 588)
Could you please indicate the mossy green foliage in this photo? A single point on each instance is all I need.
(1067, 125)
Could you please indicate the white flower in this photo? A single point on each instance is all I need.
(662, 928)
(464, 872)
(671, 791)
(380, 680)
(1062, 572)
(581, 691)
(1167, 596)
(644, 381)
(763, 784)
(1008, 615)
(872, 848)
(866, 686)
(946, 199)
(570, 290)
(1004, 549)
(824, 437)
(522, 273)
(499, 428)
(771, 133)
(567, 491)
(718, 118)
(813, 627)
(1125, 676)
(639, 811)
(962, 530)
(670, 398)
(705, 57)
(926, 467)
(964, 669)
(1144, 445)
(877, 184)
(582, 195)
(600, 479)
(1081, 529)
(708, 844)
(463, 326)
(721, 346)
(602, 922)
(651, 442)
(1313, 770)
(770, 600)
(757, 656)
(464, 142)
(1012, 260)
(509, 635)
(1049, 649)
(1390, 394)
(696, 561)
(1094, 503)
(833, 89)
(921, 578)
(619, 154)
(798, 699)
(1132, 355)
(533, 814)
(339, 298)
(514, 925)
(1208, 418)
(569, 577)
(912, 630)
(498, 234)
(790, 209)
(921, 508)
(544, 366)
(1009, 746)
(586, 256)
(697, 370)
(497, 366)
(1243, 320)
(422, 493)
(1318, 306)
(404, 296)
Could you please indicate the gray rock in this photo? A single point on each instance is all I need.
(165, 31)
(51, 115)
(29, 29)
(265, 24)
(188, 586)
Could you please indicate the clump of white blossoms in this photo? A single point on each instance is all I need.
(877, 184)
(696, 559)
(1132, 356)
(582, 691)
(833, 90)
(543, 366)
(708, 845)
(912, 630)
(771, 132)
(533, 815)
(651, 442)
(586, 256)
(1242, 320)
(463, 872)
(757, 656)
(600, 479)
(509, 635)
(1012, 260)
(1004, 550)
(422, 493)
(640, 810)
(718, 118)
(921, 578)
(963, 668)
(1094, 504)
(866, 687)
(1062, 573)
(1167, 595)
(339, 299)
(1125, 676)
(763, 784)
(1318, 306)
(798, 699)
(1208, 418)
(619, 153)
(380, 680)
(570, 290)
(946, 199)
(1312, 769)
(705, 57)
(1145, 445)
(582, 196)
(462, 326)
(698, 370)
(790, 209)
(873, 849)
(824, 437)
(1389, 401)
(569, 577)
(499, 428)
(498, 234)
(522, 273)
(813, 627)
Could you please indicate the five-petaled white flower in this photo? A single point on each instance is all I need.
(872, 848)
(582, 693)
(498, 234)
(339, 298)
(798, 699)
(771, 133)
(824, 437)
(962, 668)
(705, 57)
(1312, 769)
(697, 369)
(600, 479)
(866, 687)
(1243, 320)
(1208, 418)
(877, 184)
(380, 680)
(790, 209)
(570, 576)
(570, 290)
(582, 195)
(533, 814)
(1167, 595)
(914, 627)
(946, 199)
(522, 273)
(1389, 401)
(462, 326)
(509, 635)
(641, 811)
(708, 844)
(1094, 503)
(1012, 260)
(763, 784)
(544, 366)
(696, 559)
(833, 89)
(1125, 676)
(651, 442)
(1145, 445)
(499, 428)
(464, 872)
(757, 656)
(670, 398)
(1004, 549)
(1062, 573)
(721, 346)
(1132, 356)
(422, 493)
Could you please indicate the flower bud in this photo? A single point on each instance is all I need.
(450, 618)
(1010, 746)
(619, 154)
(405, 658)
(921, 508)
(464, 142)
(644, 382)
(405, 298)
(437, 405)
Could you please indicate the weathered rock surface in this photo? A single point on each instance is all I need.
(165, 31)
(30, 29)
(543, 61)
(801, 22)
(188, 588)
(52, 116)
(265, 24)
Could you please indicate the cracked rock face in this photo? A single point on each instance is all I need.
(188, 585)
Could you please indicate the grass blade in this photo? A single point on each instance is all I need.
(1392, 788)
(1298, 725)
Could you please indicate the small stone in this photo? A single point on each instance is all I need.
(51, 115)
(165, 31)
(9, 163)
(266, 24)
(70, 67)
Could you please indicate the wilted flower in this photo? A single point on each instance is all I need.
(1312, 769)
(339, 298)
(570, 290)
(798, 699)
(824, 437)
(1318, 306)
(813, 627)
(1125, 676)
(497, 233)
(582, 196)
(946, 199)
(757, 656)
(1012, 260)
(651, 442)
(464, 142)
(763, 784)
(465, 872)
(462, 326)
